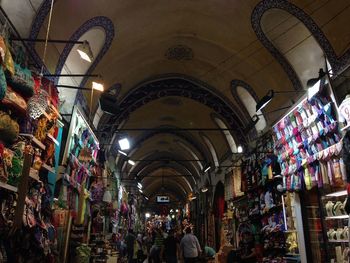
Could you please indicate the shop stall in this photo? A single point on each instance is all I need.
(29, 127)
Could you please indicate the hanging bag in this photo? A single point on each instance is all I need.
(21, 80)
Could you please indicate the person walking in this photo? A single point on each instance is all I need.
(190, 247)
(170, 248)
(130, 242)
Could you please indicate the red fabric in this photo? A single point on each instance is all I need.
(220, 205)
(348, 189)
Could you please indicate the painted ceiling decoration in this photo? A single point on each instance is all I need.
(179, 52)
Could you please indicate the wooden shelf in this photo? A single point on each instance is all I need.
(53, 139)
(337, 217)
(49, 168)
(33, 139)
(339, 241)
(34, 174)
(8, 187)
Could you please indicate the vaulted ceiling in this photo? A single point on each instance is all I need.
(177, 66)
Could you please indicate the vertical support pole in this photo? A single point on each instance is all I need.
(66, 242)
(300, 228)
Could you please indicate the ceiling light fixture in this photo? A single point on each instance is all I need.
(140, 191)
(147, 215)
(131, 162)
(139, 185)
(85, 51)
(269, 96)
(239, 149)
(207, 169)
(97, 86)
(312, 82)
(204, 189)
(123, 153)
(124, 144)
(265, 100)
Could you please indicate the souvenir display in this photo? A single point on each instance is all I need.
(308, 145)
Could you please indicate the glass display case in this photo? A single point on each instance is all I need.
(336, 225)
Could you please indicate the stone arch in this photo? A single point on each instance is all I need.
(337, 63)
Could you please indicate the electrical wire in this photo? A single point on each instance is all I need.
(47, 38)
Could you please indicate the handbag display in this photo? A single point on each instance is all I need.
(3, 83)
(21, 80)
(14, 101)
(9, 129)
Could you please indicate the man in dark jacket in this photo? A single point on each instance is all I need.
(130, 241)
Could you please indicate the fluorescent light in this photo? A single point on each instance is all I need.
(204, 189)
(85, 52)
(123, 153)
(207, 169)
(336, 194)
(140, 191)
(97, 86)
(147, 215)
(139, 185)
(131, 162)
(239, 149)
(124, 144)
(146, 198)
(312, 91)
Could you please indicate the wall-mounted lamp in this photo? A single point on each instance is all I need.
(124, 144)
(269, 96)
(85, 51)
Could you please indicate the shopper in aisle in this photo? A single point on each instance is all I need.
(156, 252)
(190, 247)
(171, 248)
(247, 247)
(130, 240)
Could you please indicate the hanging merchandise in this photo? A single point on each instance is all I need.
(21, 80)
(308, 144)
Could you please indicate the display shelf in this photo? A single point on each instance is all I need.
(49, 168)
(290, 231)
(337, 217)
(339, 241)
(34, 174)
(8, 187)
(33, 139)
(53, 139)
(337, 194)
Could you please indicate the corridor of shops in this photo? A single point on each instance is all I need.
(179, 131)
